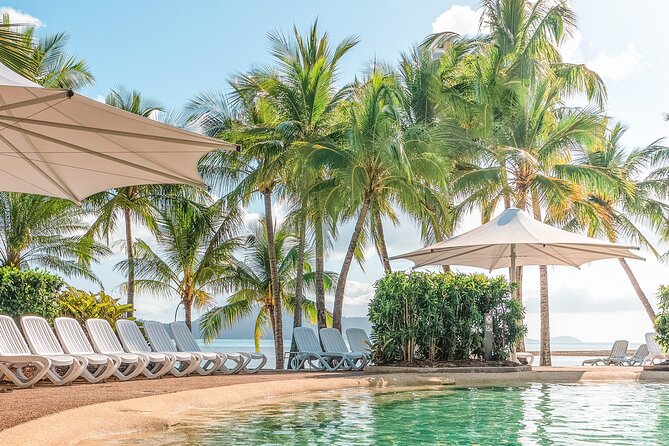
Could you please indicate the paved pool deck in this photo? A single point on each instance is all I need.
(82, 413)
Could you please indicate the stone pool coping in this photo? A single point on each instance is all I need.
(160, 411)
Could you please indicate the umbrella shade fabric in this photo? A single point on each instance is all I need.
(515, 234)
(57, 143)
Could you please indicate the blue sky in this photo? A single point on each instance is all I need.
(172, 50)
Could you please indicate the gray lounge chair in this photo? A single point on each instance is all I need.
(105, 342)
(359, 341)
(618, 355)
(655, 351)
(161, 342)
(639, 356)
(333, 342)
(186, 343)
(133, 342)
(309, 352)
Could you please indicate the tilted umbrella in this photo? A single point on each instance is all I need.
(58, 143)
(515, 239)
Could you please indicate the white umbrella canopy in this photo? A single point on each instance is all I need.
(515, 239)
(58, 143)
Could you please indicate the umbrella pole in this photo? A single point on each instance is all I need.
(512, 273)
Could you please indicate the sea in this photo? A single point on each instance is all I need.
(267, 347)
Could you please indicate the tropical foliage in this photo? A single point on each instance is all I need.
(440, 317)
(28, 292)
(82, 305)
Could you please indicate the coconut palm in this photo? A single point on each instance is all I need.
(251, 284)
(132, 203)
(14, 53)
(195, 245)
(46, 232)
(616, 209)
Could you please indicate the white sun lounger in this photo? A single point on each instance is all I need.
(655, 351)
(105, 342)
(74, 342)
(133, 342)
(639, 356)
(45, 344)
(43, 341)
(333, 342)
(359, 341)
(618, 355)
(15, 356)
(309, 352)
(186, 343)
(160, 342)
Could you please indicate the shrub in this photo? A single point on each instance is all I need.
(441, 316)
(662, 319)
(28, 292)
(82, 305)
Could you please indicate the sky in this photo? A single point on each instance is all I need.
(173, 50)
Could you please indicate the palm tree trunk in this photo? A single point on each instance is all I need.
(131, 259)
(299, 274)
(341, 284)
(545, 351)
(438, 238)
(381, 244)
(639, 292)
(299, 282)
(321, 314)
(545, 347)
(274, 279)
(188, 309)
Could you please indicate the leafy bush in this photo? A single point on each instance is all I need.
(82, 305)
(662, 319)
(441, 316)
(28, 292)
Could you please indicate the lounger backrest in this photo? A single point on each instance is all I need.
(641, 353)
(332, 340)
(184, 338)
(358, 340)
(158, 337)
(72, 336)
(40, 337)
(11, 341)
(619, 349)
(131, 338)
(306, 340)
(103, 337)
(654, 347)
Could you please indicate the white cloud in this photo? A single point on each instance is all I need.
(570, 49)
(20, 17)
(459, 19)
(616, 67)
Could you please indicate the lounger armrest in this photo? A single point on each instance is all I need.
(26, 359)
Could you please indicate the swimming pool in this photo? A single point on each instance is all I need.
(535, 414)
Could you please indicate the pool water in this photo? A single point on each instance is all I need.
(536, 414)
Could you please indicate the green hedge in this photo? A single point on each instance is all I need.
(440, 316)
(662, 319)
(28, 292)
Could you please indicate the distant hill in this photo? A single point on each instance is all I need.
(245, 328)
(558, 340)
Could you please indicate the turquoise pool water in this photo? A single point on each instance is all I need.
(537, 414)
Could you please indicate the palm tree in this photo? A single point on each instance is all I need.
(301, 88)
(14, 53)
(251, 284)
(194, 253)
(615, 209)
(372, 168)
(132, 203)
(46, 232)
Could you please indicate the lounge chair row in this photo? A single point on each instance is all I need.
(68, 354)
(333, 355)
(647, 353)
